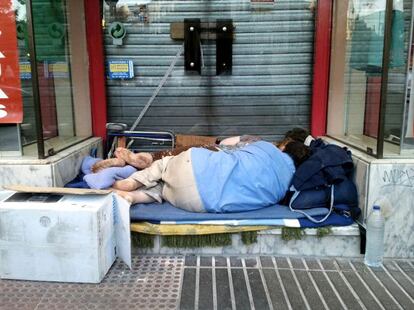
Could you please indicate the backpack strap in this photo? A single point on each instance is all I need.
(309, 217)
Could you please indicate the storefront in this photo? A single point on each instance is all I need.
(219, 68)
(284, 69)
(370, 100)
(265, 89)
(53, 107)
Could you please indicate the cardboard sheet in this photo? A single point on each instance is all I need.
(57, 190)
(122, 229)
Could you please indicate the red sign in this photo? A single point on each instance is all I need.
(11, 107)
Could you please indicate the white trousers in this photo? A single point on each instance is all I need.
(179, 186)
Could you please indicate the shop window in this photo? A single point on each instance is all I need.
(369, 107)
(56, 107)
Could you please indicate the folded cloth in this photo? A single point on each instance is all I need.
(87, 164)
(107, 177)
(77, 182)
(333, 219)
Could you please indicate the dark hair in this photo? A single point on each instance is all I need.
(297, 151)
(297, 134)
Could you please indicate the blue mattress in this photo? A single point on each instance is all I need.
(156, 212)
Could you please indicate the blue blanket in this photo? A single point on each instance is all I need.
(276, 215)
(101, 180)
(165, 213)
(157, 212)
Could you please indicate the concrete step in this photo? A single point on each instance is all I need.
(340, 241)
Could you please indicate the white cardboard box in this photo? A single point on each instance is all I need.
(72, 239)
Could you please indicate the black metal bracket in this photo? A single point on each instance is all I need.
(224, 46)
(192, 51)
(192, 31)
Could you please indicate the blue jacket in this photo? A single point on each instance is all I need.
(254, 177)
(328, 164)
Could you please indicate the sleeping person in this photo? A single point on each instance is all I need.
(143, 160)
(254, 176)
(101, 174)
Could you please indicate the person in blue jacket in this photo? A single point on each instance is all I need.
(200, 180)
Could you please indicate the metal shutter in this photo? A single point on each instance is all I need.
(268, 93)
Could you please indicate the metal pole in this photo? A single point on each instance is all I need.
(35, 81)
(384, 77)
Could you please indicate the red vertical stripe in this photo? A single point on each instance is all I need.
(96, 66)
(11, 104)
(322, 54)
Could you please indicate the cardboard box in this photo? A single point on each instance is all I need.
(51, 236)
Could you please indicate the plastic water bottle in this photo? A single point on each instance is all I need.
(375, 238)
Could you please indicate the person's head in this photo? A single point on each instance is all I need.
(297, 151)
(297, 134)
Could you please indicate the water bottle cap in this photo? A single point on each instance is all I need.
(377, 208)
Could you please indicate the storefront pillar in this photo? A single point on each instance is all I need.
(93, 20)
(322, 53)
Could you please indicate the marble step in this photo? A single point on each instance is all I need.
(340, 242)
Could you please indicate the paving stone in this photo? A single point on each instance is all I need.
(292, 289)
(191, 260)
(235, 262)
(205, 300)
(378, 289)
(360, 290)
(344, 290)
(188, 289)
(309, 289)
(328, 264)
(297, 263)
(251, 262)
(403, 281)
(312, 264)
(275, 289)
(223, 289)
(266, 262)
(240, 290)
(220, 261)
(326, 290)
(344, 264)
(282, 262)
(257, 289)
(169, 282)
(205, 261)
(404, 265)
(398, 293)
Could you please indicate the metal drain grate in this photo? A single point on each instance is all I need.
(295, 283)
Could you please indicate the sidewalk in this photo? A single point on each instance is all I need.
(170, 282)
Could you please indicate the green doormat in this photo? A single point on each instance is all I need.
(197, 241)
(291, 233)
(249, 237)
(142, 241)
(323, 231)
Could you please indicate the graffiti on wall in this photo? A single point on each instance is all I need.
(399, 177)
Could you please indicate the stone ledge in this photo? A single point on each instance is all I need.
(342, 242)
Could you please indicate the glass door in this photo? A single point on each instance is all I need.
(367, 95)
(55, 94)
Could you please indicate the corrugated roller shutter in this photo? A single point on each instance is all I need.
(268, 92)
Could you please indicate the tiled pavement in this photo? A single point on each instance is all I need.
(170, 282)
